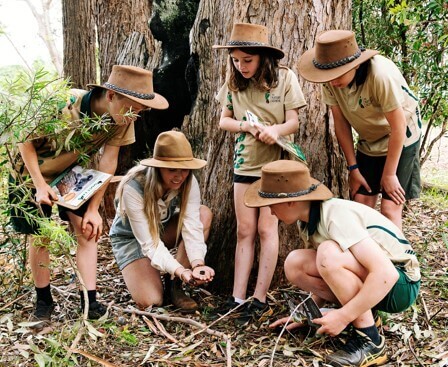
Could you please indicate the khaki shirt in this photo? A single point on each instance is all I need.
(53, 162)
(347, 222)
(364, 106)
(270, 107)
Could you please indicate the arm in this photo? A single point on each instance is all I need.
(344, 135)
(389, 180)
(108, 164)
(227, 122)
(193, 236)
(44, 193)
(270, 134)
(161, 258)
(381, 277)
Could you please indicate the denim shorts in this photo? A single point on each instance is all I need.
(127, 249)
(401, 296)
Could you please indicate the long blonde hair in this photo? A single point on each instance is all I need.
(151, 181)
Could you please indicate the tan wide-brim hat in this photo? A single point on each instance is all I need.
(134, 83)
(335, 53)
(246, 35)
(173, 150)
(284, 181)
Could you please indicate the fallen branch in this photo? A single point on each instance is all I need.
(14, 301)
(164, 332)
(184, 320)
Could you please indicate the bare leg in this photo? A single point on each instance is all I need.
(245, 247)
(344, 275)
(366, 199)
(144, 283)
(268, 231)
(301, 271)
(392, 211)
(86, 254)
(39, 258)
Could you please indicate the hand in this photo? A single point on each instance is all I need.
(292, 325)
(45, 195)
(268, 134)
(333, 322)
(356, 180)
(392, 186)
(92, 225)
(203, 274)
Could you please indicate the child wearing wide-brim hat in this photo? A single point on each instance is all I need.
(106, 114)
(368, 93)
(158, 210)
(256, 83)
(353, 256)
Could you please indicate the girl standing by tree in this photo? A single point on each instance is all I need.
(259, 84)
(368, 93)
(159, 210)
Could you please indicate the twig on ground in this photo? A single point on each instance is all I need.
(412, 351)
(164, 332)
(426, 311)
(14, 301)
(193, 323)
(150, 325)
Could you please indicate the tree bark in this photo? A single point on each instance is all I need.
(79, 42)
(293, 27)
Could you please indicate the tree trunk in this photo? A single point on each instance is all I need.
(293, 27)
(79, 42)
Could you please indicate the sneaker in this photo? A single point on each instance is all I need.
(225, 308)
(42, 313)
(254, 311)
(96, 310)
(359, 351)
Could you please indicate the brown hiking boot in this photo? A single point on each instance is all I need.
(179, 299)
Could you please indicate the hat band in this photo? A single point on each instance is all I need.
(283, 195)
(341, 62)
(173, 159)
(245, 43)
(129, 92)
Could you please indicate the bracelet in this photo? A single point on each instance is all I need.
(197, 265)
(353, 167)
(240, 127)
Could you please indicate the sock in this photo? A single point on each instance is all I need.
(44, 294)
(90, 294)
(238, 300)
(372, 333)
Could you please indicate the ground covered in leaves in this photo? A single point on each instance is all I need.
(163, 337)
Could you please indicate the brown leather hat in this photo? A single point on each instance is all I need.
(134, 83)
(335, 53)
(246, 35)
(173, 150)
(283, 181)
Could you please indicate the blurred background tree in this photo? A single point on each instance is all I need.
(414, 34)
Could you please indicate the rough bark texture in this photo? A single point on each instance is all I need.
(293, 27)
(79, 42)
(156, 35)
